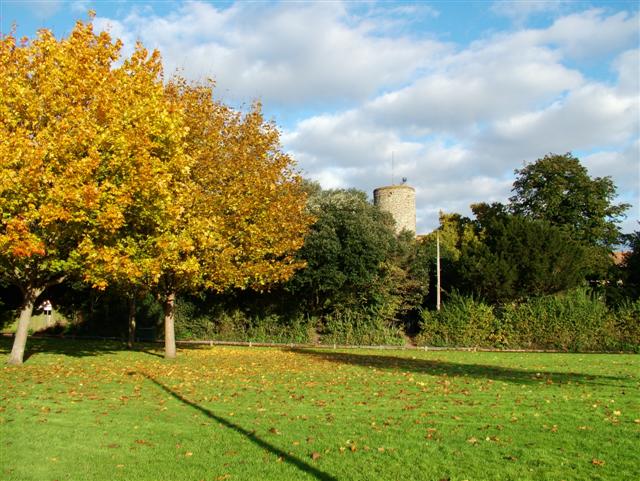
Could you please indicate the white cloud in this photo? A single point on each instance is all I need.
(80, 6)
(117, 30)
(589, 117)
(478, 85)
(521, 10)
(458, 121)
(288, 54)
(592, 34)
(477, 115)
(628, 67)
(623, 167)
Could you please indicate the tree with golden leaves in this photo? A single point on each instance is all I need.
(109, 174)
(242, 214)
(83, 148)
(235, 219)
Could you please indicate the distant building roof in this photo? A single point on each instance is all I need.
(620, 257)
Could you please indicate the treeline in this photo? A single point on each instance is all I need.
(535, 273)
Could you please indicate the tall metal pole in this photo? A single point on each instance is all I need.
(438, 270)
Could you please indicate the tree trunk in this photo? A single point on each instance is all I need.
(169, 327)
(20, 340)
(132, 322)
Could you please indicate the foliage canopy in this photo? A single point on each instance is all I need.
(109, 174)
(559, 190)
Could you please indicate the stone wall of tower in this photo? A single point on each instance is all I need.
(400, 201)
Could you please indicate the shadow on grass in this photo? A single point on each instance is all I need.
(445, 368)
(83, 347)
(298, 463)
(74, 347)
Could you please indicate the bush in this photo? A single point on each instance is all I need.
(362, 327)
(519, 258)
(210, 321)
(626, 325)
(573, 321)
(462, 321)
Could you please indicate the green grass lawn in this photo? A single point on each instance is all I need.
(38, 322)
(93, 411)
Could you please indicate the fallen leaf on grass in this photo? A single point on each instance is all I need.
(315, 455)
(597, 462)
(188, 454)
(472, 440)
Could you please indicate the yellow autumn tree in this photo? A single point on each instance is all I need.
(83, 147)
(229, 214)
(241, 214)
(108, 174)
(153, 174)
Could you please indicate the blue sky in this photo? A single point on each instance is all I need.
(459, 93)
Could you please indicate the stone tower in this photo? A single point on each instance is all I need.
(400, 201)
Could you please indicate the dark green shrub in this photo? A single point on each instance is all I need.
(576, 320)
(362, 327)
(462, 321)
(193, 321)
(200, 320)
(573, 321)
(626, 326)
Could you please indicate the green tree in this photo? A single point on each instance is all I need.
(355, 263)
(559, 190)
(409, 268)
(519, 258)
(631, 264)
(455, 232)
(345, 251)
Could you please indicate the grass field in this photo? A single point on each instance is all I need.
(38, 323)
(93, 411)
